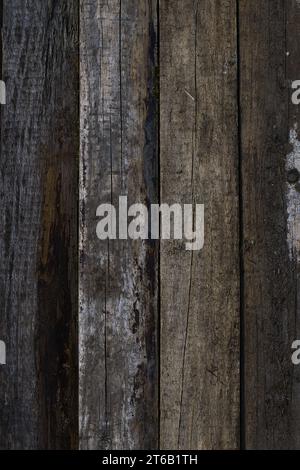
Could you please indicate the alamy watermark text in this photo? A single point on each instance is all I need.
(178, 222)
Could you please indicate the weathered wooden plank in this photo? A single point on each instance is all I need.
(118, 278)
(199, 164)
(269, 61)
(38, 242)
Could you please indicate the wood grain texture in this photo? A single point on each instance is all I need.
(199, 164)
(38, 227)
(159, 343)
(118, 278)
(269, 61)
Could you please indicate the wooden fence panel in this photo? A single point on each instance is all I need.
(118, 278)
(38, 242)
(269, 61)
(199, 164)
(180, 102)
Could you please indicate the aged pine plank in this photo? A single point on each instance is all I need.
(199, 164)
(118, 278)
(38, 242)
(269, 62)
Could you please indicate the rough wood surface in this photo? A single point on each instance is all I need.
(159, 344)
(269, 61)
(38, 242)
(118, 278)
(199, 164)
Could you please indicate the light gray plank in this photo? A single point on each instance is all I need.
(118, 278)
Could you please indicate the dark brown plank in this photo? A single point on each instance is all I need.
(38, 242)
(118, 278)
(269, 61)
(199, 164)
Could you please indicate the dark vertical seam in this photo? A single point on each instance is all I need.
(241, 238)
(1, 68)
(105, 358)
(121, 97)
(184, 349)
(192, 254)
(295, 273)
(157, 78)
(111, 161)
(106, 286)
(1, 44)
(285, 46)
(79, 228)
